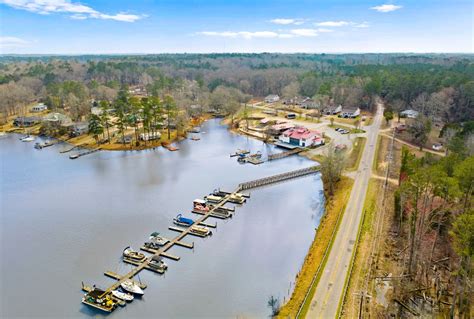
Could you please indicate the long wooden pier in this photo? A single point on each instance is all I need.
(278, 178)
(276, 156)
(183, 232)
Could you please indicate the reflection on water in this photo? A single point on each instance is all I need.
(65, 221)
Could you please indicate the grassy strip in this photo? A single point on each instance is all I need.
(317, 256)
(357, 271)
(356, 154)
(375, 164)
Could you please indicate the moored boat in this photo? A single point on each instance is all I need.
(27, 138)
(96, 299)
(213, 198)
(182, 221)
(132, 287)
(134, 255)
(200, 205)
(122, 295)
(156, 241)
(236, 198)
(158, 263)
(200, 230)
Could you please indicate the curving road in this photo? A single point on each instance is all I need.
(331, 284)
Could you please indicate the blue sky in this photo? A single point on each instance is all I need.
(88, 26)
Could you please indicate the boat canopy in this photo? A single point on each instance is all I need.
(155, 234)
(199, 201)
(184, 219)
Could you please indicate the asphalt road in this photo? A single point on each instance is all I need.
(331, 284)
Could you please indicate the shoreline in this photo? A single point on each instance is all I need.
(308, 276)
(83, 141)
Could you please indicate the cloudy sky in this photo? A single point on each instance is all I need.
(148, 26)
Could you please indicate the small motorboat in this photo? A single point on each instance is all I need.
(27, 138)
(156, 241)
(213, 198)
(195, 129)
(132, 287)
(182, 221)
(200, 230)
(157, 263)
(122, 295)
(74, 156)
(199, 205)
(134, 255)
(195, 138)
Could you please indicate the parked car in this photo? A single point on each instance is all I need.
(344, 131)
(437, 146)
(291, 116)
(337, 129)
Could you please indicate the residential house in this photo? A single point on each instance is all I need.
(26, 121)
(40, 107)
(350, 112)
(272, 98)
(411, 114)
(302, 137)
(333, 110)
(58, 118)
(79, 128)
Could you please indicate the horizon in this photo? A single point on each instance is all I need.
(70, 27)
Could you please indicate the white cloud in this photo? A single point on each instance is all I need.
(12, 42)
(305, 32)
(386, 8)
(287, 21)
(78, 11)
(241, 34)
(283, 34)
(332, 23)
(324, 30)
(362, 25)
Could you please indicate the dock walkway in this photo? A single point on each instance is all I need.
(178, 240)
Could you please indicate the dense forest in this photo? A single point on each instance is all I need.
(439, 86)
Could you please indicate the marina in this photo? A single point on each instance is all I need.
(114, 179)
(192, 227)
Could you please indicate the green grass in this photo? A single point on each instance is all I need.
(318, 252)
(365, 227)
(356, 154)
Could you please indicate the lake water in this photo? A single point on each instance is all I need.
(65, 221)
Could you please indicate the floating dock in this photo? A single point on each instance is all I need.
(77, 155)
(162, 251)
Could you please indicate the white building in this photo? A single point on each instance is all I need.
(302, 137)
(39, 108)
(411, 114)
(350, 113)
(272, 98)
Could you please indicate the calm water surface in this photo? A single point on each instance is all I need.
(65, 221)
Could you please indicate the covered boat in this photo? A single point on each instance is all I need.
(182, 221)
(132, 287)
(200, 205)
(200, 230)
(96, 299)
(134, 255)
(158, 263)
(237, 198)
(122, 295)
(156, 241)
(213, 198)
